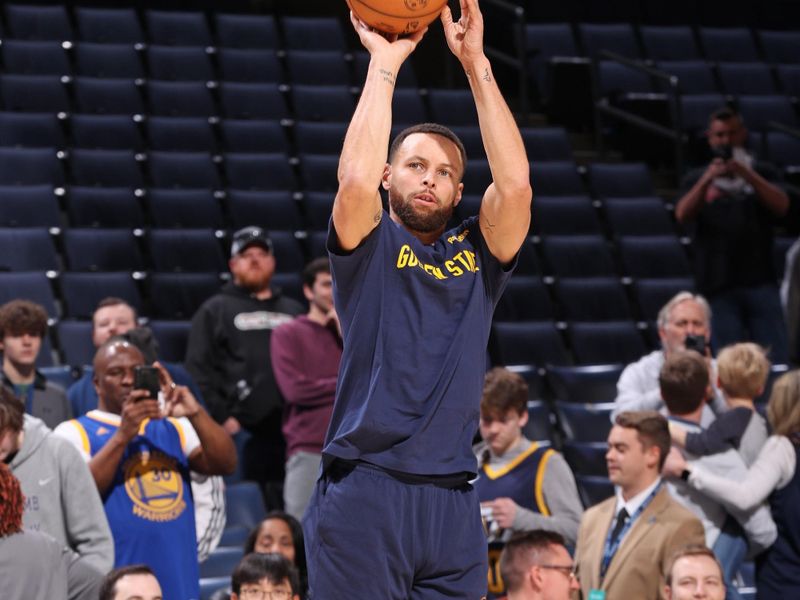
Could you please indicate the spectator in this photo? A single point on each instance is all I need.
(624, 542)
(742, 371)
(734, 202)
(536, 566)
(62, 499)
(228, 355)
(522, 485)
(772, 476)
(112, 317)
(684, 386)
(305, 360)
(34, 565)
(23, 325)
(281, 533)
(140, 460)
(264, 576)
(685, 317)
(694, 572)
(134, 582)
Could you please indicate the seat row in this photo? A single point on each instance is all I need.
(189, 63)
(173, 28)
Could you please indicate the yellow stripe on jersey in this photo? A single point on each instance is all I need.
(492, 473)
(538, 489)
(84, 436)
(176, 424)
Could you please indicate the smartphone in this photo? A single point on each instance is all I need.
(696, 343)
(146, 378)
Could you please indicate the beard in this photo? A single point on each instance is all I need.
(253, 280)
(427, 222)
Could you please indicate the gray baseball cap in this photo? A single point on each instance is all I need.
(250, 236)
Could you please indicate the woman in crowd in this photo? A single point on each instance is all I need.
(773, 477)
(280, 532)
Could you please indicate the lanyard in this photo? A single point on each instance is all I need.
(611, 546)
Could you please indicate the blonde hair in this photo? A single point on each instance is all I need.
(743, 369)
(783, 410)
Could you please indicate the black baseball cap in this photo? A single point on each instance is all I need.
(250, 236)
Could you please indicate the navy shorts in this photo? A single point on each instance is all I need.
(371, 535)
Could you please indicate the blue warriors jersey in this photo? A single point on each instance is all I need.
(149, 505)
(416, 321)
(520, 480)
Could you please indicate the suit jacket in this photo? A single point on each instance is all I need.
(637, 567)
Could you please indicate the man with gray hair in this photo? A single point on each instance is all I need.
(683, 323)
(535, 565)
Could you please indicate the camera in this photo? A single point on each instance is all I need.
(696, 343)
(146, 378)
(725, 152)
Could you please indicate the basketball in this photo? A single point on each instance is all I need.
(397, 16)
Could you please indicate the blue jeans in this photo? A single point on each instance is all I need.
(750, 314)
(730, 549)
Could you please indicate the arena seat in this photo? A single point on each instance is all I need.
(29, 206)
(669, 42)
(244, 504)
(108, 25)
(174, 28)
(252, 101)
(288, 252)
(653, 256)
(182, 208)
(24, 57)
(578, 256)
(221, 562)
(34, 93)
(246, 31)
(176, 296)
(780, 46)
(546, 143)
(728, 44)
(408, 108)
(318, 206)
(108, 96)
(694, 76)
(173, 63)
(584, 384)
(619, 38)
(239, 135)
(180, 99)
(172, 337)
(75, 341)
(251, 66)
(585, 422)
(319, 33)
(759, 111)
(186, 251)
(29, 285)
(273, 210)
(319, 172)
(452, 106)
(593, 489)
(652, 294)
(27, 22)
(82, 292)
(121, 61)
(210, 585)
(109, 132)
(556, 178)
(565, 215)
(317, 67)
(89, 206)
(525, 299)
(322, 102)
(752, 78)
(27, 249)
(595, 343)
(592, 299)
(259, 171)
(529, 343)
(112, 168)
(539, 427)
(646, 215)
(183, 170)
(180, 134)
(102, 250)
(586, 458)
(319, 138)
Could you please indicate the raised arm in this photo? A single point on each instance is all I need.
(506, 207)
(357, 208)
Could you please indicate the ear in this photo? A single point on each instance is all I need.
(535, 576)
(667, 593)
(307, 292)
(662, 335)
(386, 178)
(459, 193)
(523, 418)
(231, 263)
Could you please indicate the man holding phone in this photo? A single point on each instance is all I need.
(140, 453)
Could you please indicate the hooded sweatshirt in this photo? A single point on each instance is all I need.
(228, 353)
(61, 498)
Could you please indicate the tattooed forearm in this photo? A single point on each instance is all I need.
(486, 76)
(388, 76)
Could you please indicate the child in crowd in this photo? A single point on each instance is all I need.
(742, 371)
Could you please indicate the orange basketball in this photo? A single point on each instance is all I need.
(397, 16)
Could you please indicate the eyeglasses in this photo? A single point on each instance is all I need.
(256, 594)
(568, 570)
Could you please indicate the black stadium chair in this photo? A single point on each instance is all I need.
(273, 210)
(653, 294)
(75, 342)
(176, 296)
(646, 215)
(26, 22)
(452, 107)
(108, 25)
(318, 207)
(82, 292)
(104, 207)
(539, 426)
(586, 458)
(172, 338)
(112, 132)
(317, 33)
(595, 343)
(121, 61)
(759, 111)
(289, 254)
(181, 134)
(319, 138)
(323, 102)
(27, 249)
(252, 66)
(210, 585)
(408, 108)
(317, 67)
(112, 168)
(319, 172)
(556, 178)
(221, 562)
(186, 250)
(578, 256)
(183, 170)
(584, 384)
(179, 64)
(728, 44)
(180, 99)
(780, 46)
(35, 58)
(694, 76)
(654, 256)
(259, 171)
(674, 43)
(29, 206)
(565, 215)
(615, 37)
(594, 489)
(252, 101)
(108, 96)
(31, 285)
(592, 299)
(529, 343)
(30, 166)
(620, 180)
(187, 208)
(525, 299)
(30, 130)
(239, 135)
(246, 31)
(102, 250)
(244, 504)
(183, 28)
(586, 422)
(747, 78)
(34, 93)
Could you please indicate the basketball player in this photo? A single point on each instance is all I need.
(393, 516)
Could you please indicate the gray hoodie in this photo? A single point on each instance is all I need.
(61, 498)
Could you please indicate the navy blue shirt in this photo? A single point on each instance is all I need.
(416, 322)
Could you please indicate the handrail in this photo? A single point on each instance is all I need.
(518, 62)
(603, 107)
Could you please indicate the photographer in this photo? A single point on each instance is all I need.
(734, 205)
(684, 323)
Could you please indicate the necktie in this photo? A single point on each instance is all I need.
(621, 518)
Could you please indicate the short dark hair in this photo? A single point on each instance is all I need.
(12, 411)
(314, 268)
(19, 317)
(109, 588)
(691, 550)
(433, 128)
(724, 113)
(504, 390)
(652, 428)
(522, 551)
(683, 380)
(113, 301)
(273, 567)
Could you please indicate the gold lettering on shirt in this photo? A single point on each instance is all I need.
(463, 262)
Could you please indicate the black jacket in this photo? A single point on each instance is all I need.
(228, 353)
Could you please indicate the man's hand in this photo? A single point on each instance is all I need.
(717, 168)
(138, 407)
(465, 37)
(232, 426)
(675, 463)
(377, 42)
(503, 511)
(179, 400)
(332, 320)
(678, 434)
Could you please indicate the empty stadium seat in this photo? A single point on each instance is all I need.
(586, 458)
(452, 107)
(529, 343)
(592, 299)
(615, 37)
(31, 285)
(181, 134)
(556, 178)
(103, 207)
(586, 422)
(620, 180)
(319, 138)
(102, 250)
(75, 341)
(185, 208)
(653, 294)
(675, 42)
(564, 215)
(694, 76)
(27, 22)
(239, 135)
(595, 343)
(250, 66)
(759, 111)
(172, 338)
(173, 28)
(176, 296)
(747, 78)
(653, 256)
(780, 46)
(82, 292)
(584, 384)
(318, 206)
(539, 426)
(546, 143)
(525, 299)
(108, 25)
(186, 250)
(27, 249)
(252, 101)
(578, 255)
(29, 206)
(112, 168)
(221, 562)
(319, 172)
(407, 109)
(322, 102)
(179, 63)
(244, 504)
(728, 44)
(180, 99)
(183, 170)
(259, 171)
(318, 33)
(108, 96)
(594, 489)
(30, 130)
(646, 215)
(246, 31)
(289, 254)
(121, 61)
(35, 58)
(111, 132)
(317, 67)
(273, 210)
(210, 585)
